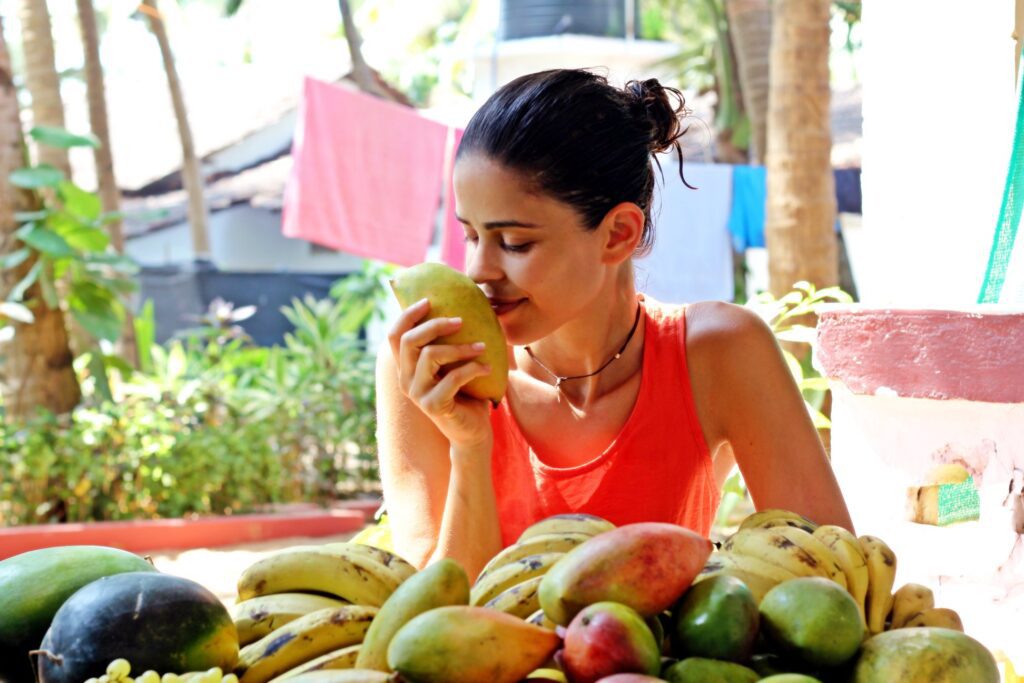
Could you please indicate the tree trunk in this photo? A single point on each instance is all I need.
(41, 78)
(190, 173)
(107, 184)
(750, 25)
(37, 371)
(801, 211)
(361, 71)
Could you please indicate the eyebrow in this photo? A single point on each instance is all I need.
(494, 225)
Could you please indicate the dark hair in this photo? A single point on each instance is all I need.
(580, 140)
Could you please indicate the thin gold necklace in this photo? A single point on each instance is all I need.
(618, 354)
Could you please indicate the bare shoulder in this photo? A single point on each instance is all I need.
(721, 330)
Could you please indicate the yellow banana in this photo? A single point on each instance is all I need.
(344, 676)
(521, 600)
(505, 577)
(752, 564)
(773, 517)
(342, 572)
(846, 548)
(538, 618)
(787, 547)
(299, 641)
(256, 617)
(573, 523)
(534, 545)
(881, 574)
(344, 658)
(910, 599)
(402, 568)
(936, 616)
(555, 675)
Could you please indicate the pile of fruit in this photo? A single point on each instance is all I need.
(574, 600)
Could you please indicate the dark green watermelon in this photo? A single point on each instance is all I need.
(155, 621)
(35, 584)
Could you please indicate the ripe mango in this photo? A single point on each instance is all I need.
(459, 644)
(924, 655)
(703, 670)
(646, 566)
(442, 583)
(607, 638)
(452, 294)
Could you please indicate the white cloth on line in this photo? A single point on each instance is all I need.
(692, 255)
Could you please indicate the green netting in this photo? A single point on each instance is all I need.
(959, 502)
(1002, 254)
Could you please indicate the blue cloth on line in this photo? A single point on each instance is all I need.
(746, 216)
(749, 196)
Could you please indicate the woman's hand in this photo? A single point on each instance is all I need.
(462, 419)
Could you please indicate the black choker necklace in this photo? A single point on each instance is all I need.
(559, 379)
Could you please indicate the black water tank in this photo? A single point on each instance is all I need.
(534, 18)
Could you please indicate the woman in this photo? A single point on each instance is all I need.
(617, 405)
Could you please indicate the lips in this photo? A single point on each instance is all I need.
(503, 306)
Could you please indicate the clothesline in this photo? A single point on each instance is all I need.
(372, 178)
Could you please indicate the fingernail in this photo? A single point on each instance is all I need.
(486, 367)
(421, 302)
(455, 321)
(479, 346)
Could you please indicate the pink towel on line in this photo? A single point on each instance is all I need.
(367, 175)
(453, 238)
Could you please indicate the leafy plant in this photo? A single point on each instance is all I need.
(68, 237)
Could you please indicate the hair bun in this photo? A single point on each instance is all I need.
(663, 108)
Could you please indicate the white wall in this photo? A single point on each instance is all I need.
(939, 111)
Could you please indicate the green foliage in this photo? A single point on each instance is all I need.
(210, 423)
(73, 261)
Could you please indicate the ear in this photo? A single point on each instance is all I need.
(623, 226)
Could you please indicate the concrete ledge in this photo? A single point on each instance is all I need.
(180, 534)
(974, 355)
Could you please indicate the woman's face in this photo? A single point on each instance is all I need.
(529, 252)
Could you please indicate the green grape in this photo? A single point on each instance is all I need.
(105, 679)
(230, 678)
(119, 668)
(148, 677)
(169, 678)
(93, 680)
(213, 675)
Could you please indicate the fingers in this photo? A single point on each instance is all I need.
(432, 358)
(414, 341)
(441, 400)
(407, 319)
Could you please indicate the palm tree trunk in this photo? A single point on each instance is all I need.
(750, 24)
(360, 69)
(191, 176)
(801, 211)
(109, 194)
(41, 78)
(37, 371)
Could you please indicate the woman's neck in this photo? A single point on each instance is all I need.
(584, 345)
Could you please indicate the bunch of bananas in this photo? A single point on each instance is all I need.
(308, 608)
(510, 582)
(772, 546)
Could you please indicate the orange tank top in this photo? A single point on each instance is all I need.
(658, 468)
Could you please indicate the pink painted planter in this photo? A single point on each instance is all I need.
(913, 389)
(182, 534)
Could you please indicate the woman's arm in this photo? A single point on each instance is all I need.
(749, 404)
(440, 500)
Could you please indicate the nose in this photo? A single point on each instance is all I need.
(483, 264)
